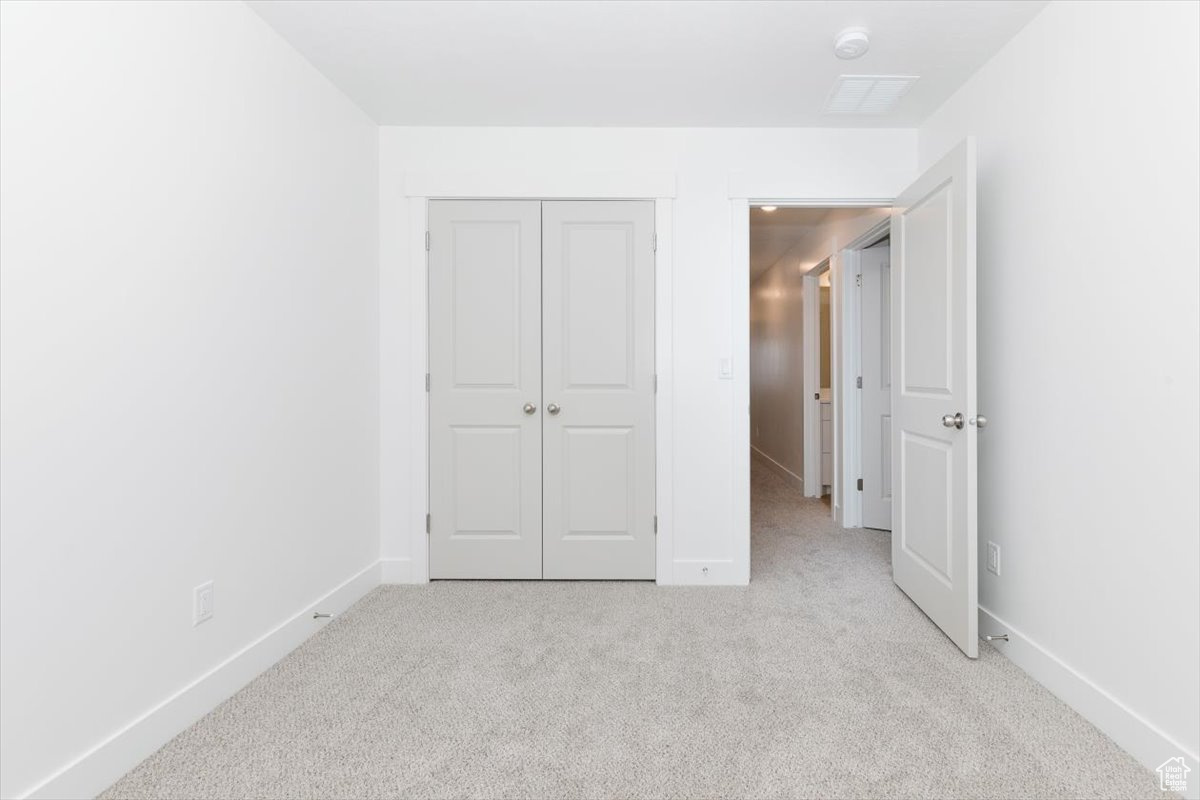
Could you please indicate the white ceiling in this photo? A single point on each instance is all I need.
(773, 233)
(802, 230)
(672, 63)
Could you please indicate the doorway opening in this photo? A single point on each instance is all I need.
(798, 292)
(932, 423)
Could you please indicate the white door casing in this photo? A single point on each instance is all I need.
(485, 366)
(874, 265)
(934, 448)
(598, 390)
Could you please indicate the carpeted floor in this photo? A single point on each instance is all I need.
(818, 680)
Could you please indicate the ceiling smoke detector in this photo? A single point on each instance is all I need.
(852, 43)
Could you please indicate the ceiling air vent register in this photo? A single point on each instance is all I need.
(867, 94)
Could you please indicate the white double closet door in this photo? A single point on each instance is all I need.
(541, 407)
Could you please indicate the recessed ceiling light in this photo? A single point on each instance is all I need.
(852, 43)
(867, 94)
(768, 208)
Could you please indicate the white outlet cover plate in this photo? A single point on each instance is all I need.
(993, 558)
(202, 603)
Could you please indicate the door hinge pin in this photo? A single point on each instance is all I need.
(428, 522)
(656, 384)
(654, 242)
(858, 381)
(427, 381)
(427, 241)
(860, 484)
(656, 524)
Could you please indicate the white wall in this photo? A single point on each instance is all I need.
(804, 163)
(190, 358)
(1087, 124)
(777, 392)
(777, 366)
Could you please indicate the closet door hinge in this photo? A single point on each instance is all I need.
(656, 524)
(858, 280)
(860, 484)
(427, 381)
(426, 241)
(858, 381)
(656, 383)
(654, 242)
(428, 522)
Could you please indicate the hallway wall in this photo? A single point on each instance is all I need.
(777, 367)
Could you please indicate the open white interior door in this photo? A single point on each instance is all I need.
(934, 438)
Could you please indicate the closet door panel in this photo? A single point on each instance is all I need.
(485, 367)
(598, 389)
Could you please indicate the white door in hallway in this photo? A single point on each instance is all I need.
(485, 381)
(598, 389)
(875, 268)
(934, 439)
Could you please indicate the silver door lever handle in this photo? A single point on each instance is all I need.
(953, 420)
(530, 408)
(553, 408)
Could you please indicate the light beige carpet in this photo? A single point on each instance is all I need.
(819, 680)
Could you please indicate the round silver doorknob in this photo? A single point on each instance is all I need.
(530, 408)
(979, 421)
(553, 408)
(953, 420)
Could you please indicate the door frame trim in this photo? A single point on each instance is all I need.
(585, 186)
(850, 433)
(810, 348)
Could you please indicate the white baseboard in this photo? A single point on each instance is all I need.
(397, 570)
(100, 767)
(779, 469)
(1133, 733)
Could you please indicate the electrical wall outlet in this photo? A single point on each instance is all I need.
(202, 603)
(993, 558)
